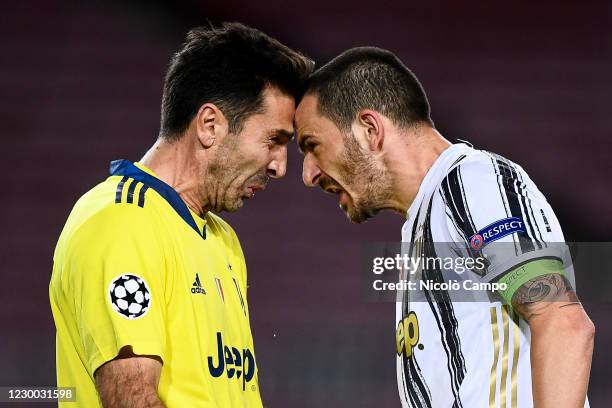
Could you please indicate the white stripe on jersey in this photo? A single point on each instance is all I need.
(470, 354)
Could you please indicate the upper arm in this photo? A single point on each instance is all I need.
(496, 212)
(551, 307)
(118, 283)
(547, 289)
(129, 380)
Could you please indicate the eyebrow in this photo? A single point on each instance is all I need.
(284, 133)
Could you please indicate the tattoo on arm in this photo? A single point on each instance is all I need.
(542, 292)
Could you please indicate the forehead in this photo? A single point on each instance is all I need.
(277, 113)
(310, 122)
(306, 114)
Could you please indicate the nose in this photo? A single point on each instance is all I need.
(310, 172)
(278, 165)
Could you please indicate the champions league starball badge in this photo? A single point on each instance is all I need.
(129, 296)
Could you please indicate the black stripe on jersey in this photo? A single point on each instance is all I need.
(418, 392)
(444, 313)
(510, 181)
(455, 200)
(527, 202)
(463, 156)
(453, 195)
(447, 325)
(406, 304)
(499, 179)
(141, 195)
(464, 203)
(521, 192)
(120, 189)
(499, 186)
(130, 193)
(132, 184)
(425, 390)
(415, 388)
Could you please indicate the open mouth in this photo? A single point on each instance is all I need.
(252, 189)
(343, 197)
(330, 186)
(333, 190)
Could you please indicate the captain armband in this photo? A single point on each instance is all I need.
(517, 277)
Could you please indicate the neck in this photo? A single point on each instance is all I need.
(174, 163)
(409, 162)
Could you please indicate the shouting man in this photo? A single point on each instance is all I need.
(365, 130)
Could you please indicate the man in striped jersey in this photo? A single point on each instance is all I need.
(365, 130)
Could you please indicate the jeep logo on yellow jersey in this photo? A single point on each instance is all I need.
(407, 335)
(233, 362)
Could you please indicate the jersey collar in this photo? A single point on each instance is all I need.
(127, 168)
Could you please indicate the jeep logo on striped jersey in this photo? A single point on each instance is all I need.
(407, 335)
(233, 362)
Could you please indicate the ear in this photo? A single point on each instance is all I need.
(211, 125)
(373, 129)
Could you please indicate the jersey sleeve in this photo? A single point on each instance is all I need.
(119, 284)
(495, 212)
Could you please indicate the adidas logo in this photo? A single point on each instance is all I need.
(197, 286)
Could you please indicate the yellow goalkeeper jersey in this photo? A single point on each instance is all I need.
(135, 267)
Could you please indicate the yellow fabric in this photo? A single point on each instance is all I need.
(204, 339)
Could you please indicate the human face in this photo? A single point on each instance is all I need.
(336, 162)
(244, 162)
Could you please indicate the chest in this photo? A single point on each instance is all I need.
(208, 288)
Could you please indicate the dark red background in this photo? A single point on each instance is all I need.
(81, 85)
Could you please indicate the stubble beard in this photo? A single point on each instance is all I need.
(372, 182)
(220, 174)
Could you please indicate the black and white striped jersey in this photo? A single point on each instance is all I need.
(472, 353)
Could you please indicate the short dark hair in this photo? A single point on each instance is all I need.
(229, 66)
(369, 78)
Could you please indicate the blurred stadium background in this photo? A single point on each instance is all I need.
(81, 85)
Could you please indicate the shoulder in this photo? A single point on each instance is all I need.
(106, 214)
(482, 163)
(476, 163)
(482, 172)
(466, 173)
(117, 192)
(103, 236)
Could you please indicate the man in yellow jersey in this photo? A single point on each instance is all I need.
(148, 290)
